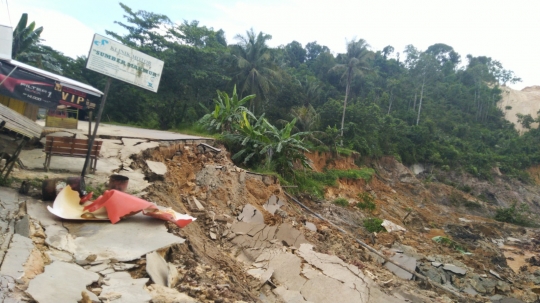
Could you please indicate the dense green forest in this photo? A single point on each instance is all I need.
(421, 106)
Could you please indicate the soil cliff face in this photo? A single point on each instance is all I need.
(525, 101)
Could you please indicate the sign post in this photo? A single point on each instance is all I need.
(117, 61)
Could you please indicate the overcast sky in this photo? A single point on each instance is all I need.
(507, 31)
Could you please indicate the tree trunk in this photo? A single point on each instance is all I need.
(421, 97)
(390, 105)
(345, 103)
(414, 104)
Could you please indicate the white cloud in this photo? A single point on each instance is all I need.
(60, 31)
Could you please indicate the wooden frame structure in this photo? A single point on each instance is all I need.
(70, 147)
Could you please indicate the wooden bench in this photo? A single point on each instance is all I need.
(70, 147)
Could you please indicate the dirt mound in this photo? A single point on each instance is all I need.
(525, 101)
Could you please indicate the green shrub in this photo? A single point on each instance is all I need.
(515, 215)
(366, 201)
(314, 182)
(374, 225)
(341, 202)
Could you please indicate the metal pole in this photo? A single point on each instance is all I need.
(11, 72)
(93, 137)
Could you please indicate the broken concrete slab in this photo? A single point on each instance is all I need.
(290, 296)
(286, 268)
(110, 148)
(22, 226)
(108, 241)
(310, 226)
(290, 236)
(16, 257)
(137, 181)
(162, 294)
(251, 215)
(158, 168)
(72, 278)
(405, 261)
(157, 268)
(391, 226)
(198, 204)
(262, 274)
(131, 290)
(273, 204)
(455, 269)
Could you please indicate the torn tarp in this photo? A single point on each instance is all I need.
(113, 205)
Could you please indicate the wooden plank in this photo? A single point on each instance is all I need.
(19, 123)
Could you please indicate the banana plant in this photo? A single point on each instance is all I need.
(227, 111)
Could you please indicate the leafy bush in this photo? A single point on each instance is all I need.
(374, 225)
(341, 202)
(367, 201)
(314, 182)
(515, 215)
(228, 111)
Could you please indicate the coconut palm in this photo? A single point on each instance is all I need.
(24, 36)
(354, 64)
(253, 68)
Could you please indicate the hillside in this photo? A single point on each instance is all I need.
(525, 101)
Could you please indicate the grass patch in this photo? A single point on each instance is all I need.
(314, 183)
(98, 190)
(515, 214)
(366, 201)
(450, 243)
(196, 129)
(373, 225)
(341, 202)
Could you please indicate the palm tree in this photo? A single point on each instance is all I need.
(253, 67)
(24, 36)
(354, 63)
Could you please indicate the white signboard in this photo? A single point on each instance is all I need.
(123, 63)
(6, 42)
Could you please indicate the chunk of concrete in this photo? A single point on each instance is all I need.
(198, 204)
(17, 255)
(22, 227)
(262, 274)
(454, 269)
(251, 215)
(310, 226)
(110, 148)
(125, 241)
(405, 261)
(158, 168)
(290, 236)
(273, 204)
(131, 290)
(157, 268)
(290, 296)
(162, 294)
(62, 282)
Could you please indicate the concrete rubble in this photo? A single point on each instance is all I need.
(250, 240)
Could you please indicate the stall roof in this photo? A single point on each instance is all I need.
(64, 81)
(19, 123)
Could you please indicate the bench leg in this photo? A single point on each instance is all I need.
(48, 162)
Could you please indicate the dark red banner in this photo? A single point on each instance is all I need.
(28, 87)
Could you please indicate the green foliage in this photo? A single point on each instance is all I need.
(314, 182)
(98, 189)
(279, 148)
(341, 202)
(227, 112)
(515, 214)
(421, 108)
(367, 201)
(450, 243)
(373, 225)
(24, 36)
